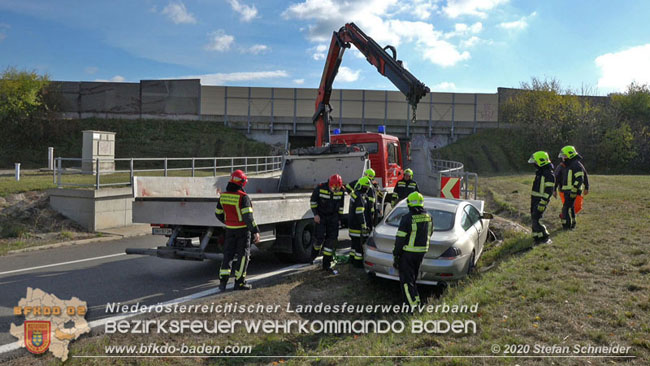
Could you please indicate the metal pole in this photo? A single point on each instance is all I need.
(17, 172)
(53, 172)
(165, 167)
(246, 164)
(97, 174)
(50, 158)
(59, 174)
(131, 169)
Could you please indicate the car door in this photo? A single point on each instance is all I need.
(475, 218)
(468, 223)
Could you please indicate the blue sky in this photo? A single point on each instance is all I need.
(451, 45)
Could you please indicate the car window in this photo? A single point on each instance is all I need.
(473, 214)
(392, 153)
(442, 220)
(465, 221)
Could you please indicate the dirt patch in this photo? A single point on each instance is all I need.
(26, 219)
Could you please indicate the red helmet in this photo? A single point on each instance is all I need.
(239, 177)
(336, 181)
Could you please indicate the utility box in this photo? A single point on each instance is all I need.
(98, 145)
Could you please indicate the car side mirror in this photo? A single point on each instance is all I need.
(487, 216)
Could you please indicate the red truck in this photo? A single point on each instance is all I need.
(384, 151)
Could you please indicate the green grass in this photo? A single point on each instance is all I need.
(492, 152)
(589, 287)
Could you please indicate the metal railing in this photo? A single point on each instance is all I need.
(447, 166)
(98, 173)
(455, 169)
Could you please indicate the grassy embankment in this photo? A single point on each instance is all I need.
(138, 139)
(589, 287)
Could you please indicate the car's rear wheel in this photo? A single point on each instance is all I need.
(470, 265)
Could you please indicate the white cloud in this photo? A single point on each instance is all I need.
(219, 41)
(115, 79)
(247, 12)
(520, 24)
(91, 70)
(470, 42)
(456, 8)
(622, 68)
(3, 28)
(257, 49)
(373, 18)
(464, 30)
(347, 75)
(298, 81)
(318, 52)
(223, 78)
(445, 85)
(420, 9)
(178, 13)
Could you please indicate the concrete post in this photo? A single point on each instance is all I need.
(17, 172)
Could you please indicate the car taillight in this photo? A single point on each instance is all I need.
(371, 242)
(451, 253)
(369, 264)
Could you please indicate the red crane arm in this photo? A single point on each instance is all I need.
(386, 64)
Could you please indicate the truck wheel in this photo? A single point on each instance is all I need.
(302, 241)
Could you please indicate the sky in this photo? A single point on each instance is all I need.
(468, 46)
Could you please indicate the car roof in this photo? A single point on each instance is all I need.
(441, 204)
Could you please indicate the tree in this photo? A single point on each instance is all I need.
(21, 95)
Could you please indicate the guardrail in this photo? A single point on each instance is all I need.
(98, 173)
(455, 169)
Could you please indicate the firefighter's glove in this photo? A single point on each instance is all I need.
(541, 207)
(365, 230)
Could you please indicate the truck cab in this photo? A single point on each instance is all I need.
(384, 153)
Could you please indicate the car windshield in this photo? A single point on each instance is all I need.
(442, 220)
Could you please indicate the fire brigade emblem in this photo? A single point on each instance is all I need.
(37, 336)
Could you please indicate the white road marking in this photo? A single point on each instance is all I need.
(61, 264)
(97, 323)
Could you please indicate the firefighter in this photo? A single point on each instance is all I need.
(411, 244)
(327, 207)
(543, 187)
(571, 181)
(234, 208)
(373, 196)
(405, 187)
(358, 220)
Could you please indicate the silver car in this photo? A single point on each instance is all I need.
(460, 231)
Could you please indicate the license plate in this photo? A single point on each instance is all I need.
(161, 231)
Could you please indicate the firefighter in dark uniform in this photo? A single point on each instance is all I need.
(373, 196)
(571, 180)
(234, 208)
(358, 220)
(327, 207)
(543, 187)
(404, 187)
(411, 244)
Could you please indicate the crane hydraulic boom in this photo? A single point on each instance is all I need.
(387, 65)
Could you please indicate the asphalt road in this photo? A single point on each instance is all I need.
(99, 273)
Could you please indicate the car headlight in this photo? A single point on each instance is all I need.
(451, 253)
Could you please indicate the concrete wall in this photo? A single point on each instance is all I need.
(94, 209)
(278, 111)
